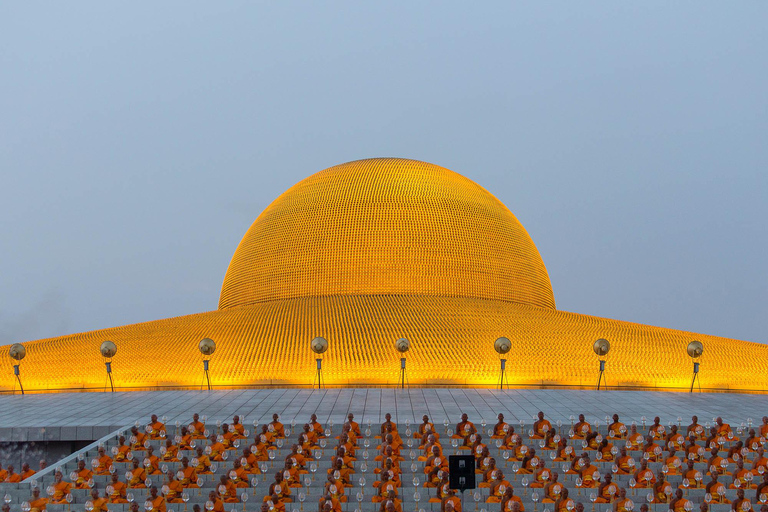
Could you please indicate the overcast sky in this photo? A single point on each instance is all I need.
(138, 142)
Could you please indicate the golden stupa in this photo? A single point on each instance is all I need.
(371, 251)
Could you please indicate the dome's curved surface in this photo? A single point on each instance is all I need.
(386, 226)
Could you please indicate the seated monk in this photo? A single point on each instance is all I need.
(510, 439)
(384, 488)
(741, 504)
(156, 429)
(103, 462)
(116, 490)
(425, 429)
(550, 440)
(137, 476)
(617, 430)
(26, 472)
(83, 475)
(724, 429)
(335, 488)
(582, 428)
(635, 438)
(607, 491)
(391, 504)
(693, 451)
(482, 461)
(442, 489)
(734, 452)
(662, 490)
(489, 476)
(541, 476)
(679, 504)
(215, 448)
(276, 428)
(429, 446)
(672, 462)
(188, 475)
(477, 446)
(273, 504)
(266, 437)
(541, 427)
(157, 501)
(498, 488)
(137, 440)
(347, 461)
(13, 477)
(694, 429)
(501, 429)
(152, 462)
(760, 464)
(564, 503)
(625, 463)
(590, 475)
(186, 440)
(764, 427)
(353, 425)
(553, 489)
(279, 488)
(451, 502)
(530, 462)
(329, 504)
(342, 473)
(436, 461)
(716, 490)
(652, 449)
(239, 477)
(712, 441)
(173, 490)
(389, 467)
(644, 477)
(565, 452)
(388, 425)
(121, 451)
(605, 449)
(60, 489)
(3, 474)
(203, 462)
(36, 503)
(464, 428)
(675, 438)
(762, 489)
(197, 427)
(218, 503)
(719, 464)
(691, 476)
(169, 452)
(228, 437)
(657, 430)
(298, 459)
(316, 427)
(510, 502)
(622, 503)
(740, 478)
(99, 504)
(238, 429)
(752, 442)
(227, 490)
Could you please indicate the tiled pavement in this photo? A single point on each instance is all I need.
(89, 416)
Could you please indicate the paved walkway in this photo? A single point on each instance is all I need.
(89, 416)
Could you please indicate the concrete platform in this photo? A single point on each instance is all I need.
(90, 416)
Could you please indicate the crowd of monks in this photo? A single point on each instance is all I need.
(710, 457)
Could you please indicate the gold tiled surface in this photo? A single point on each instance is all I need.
(452, 343)
(386, 226)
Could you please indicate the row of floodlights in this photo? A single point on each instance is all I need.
(319, 345)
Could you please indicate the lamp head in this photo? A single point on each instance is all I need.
(207, 346)
(695, 349)
(402, 345)
(17, 352)
(502, 345)
(108, 349)
(601, 347)
(319, 345)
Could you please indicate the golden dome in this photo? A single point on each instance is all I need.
(386, 226)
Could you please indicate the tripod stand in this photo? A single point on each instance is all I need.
(403, 375)
(695, 377)
(319, 375)
(601, 376)
(502, 374)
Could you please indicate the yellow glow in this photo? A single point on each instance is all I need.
(369, 252)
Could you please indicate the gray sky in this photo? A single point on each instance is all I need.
(138, 142)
